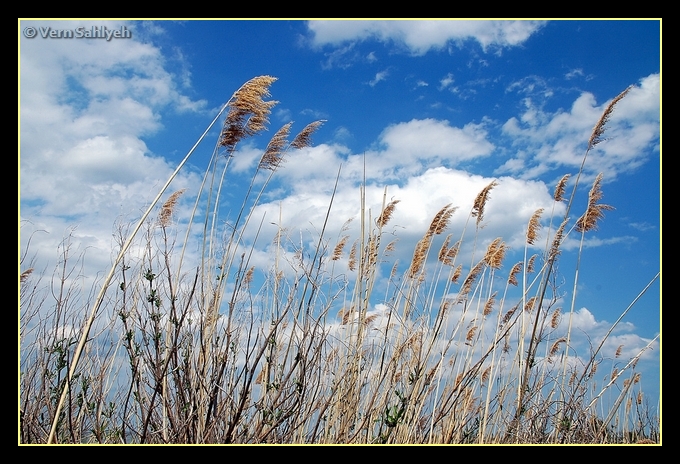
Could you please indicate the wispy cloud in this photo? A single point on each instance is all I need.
(380, 76)
(446, 81)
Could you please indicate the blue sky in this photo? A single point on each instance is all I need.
(438, 109)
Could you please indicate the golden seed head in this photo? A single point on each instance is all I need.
(480, 201)
(337, 251)
(530, 266)
(248, 112)
(24, 275)
(534, 225)
(168, 208)
(304, 138)
(600, 127)
(529, 306)
(471, 334)
(618, 351)
(512, 278)
(555, 318)
(386, 214)
(556, 346)
(441, 220)
(472, 276)
(353, 257)
(495, 253)
(456, 273)
(560, 188)
(594, 211)
(488, 306)
(273, 154)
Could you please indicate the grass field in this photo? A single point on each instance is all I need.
(185, 341)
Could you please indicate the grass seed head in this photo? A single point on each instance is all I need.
(168, 208)
(600, 127)
(560, 188)
(273, 154)
(304, 138)
(594, 211)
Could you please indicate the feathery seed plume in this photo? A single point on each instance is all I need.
(594, 211)
(600, 127)
(512, 278)
(168, 208)
(556, 346)
(386, 214)
(534, 225)
(495, 253)
(337, 251)
(248, 112)
(559, 189)
(555, 318)
(304, 138)
(273, 154)
(353, 257)
(530, 265)
(488, 306)
(480, 201)
(618, 351)
(456, 273)
(24, 275)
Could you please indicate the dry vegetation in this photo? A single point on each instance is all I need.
(172, 352)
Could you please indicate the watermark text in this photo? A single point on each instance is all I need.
(92, 32)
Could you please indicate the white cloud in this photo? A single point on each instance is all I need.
(574, 73)
(85, 107)
(446, 81)
(420, 36)
(380, 76)
(549, 141)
